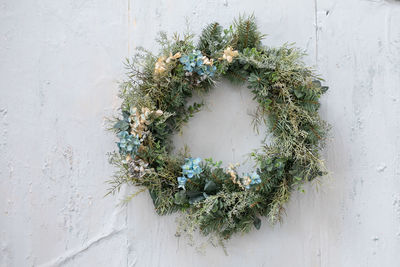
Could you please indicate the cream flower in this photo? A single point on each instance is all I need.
(229, 54)
(173, 57)
(140, 120)
(207, 61)
(246, 181)
(159, 113)
(160, 65)
(138, 167)
(145, 114)
(231, 170)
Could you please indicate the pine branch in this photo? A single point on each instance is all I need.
(246, 34)
(210, 40)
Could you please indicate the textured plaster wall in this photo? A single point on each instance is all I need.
(60, 63)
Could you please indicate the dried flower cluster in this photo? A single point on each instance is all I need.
(161, 64)
(140, 120)
(230, 54)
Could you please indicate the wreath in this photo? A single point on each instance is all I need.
(214, 199)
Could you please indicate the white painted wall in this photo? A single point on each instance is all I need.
(60, 63)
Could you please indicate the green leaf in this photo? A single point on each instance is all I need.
(195, 196)
(298, 93)
(153, 195)
(125, 115)
(180, 198)
(121, 125)
(196, 199)
(257, 223)
(210, 187)
(317, 83)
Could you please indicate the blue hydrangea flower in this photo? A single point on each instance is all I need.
(182, 182)
(255, 178)
(190, 169)
(128, 144)
(252, 179)
(194, 62)
(210, 70)
(188, 63)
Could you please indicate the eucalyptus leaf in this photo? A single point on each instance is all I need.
(317, 83)
(257, 223)
(298, 93)
(180, 198)
(210, 187)
(196, 199)
(153, 195)
(125, 115)
(193, 194)
(121, 125)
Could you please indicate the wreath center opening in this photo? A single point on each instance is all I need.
(223, 129)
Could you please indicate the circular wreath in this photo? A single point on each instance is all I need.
(214, 199)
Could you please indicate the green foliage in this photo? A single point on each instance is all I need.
(214, 39)
(287, 93)
(246, 34)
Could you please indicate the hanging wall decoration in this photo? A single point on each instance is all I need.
(214, 200)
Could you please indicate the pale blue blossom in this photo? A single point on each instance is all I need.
(194, 62)
(181, 182)
(128, 144)
(252, 179)
(190, 169)
(255, 178)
